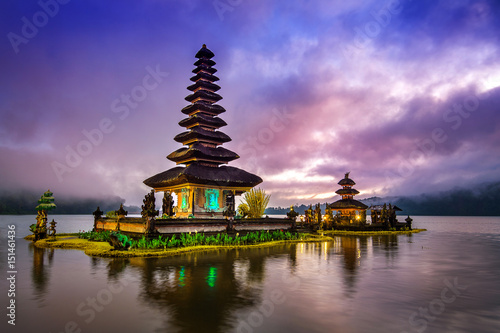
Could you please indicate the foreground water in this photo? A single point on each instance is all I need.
(444, 280)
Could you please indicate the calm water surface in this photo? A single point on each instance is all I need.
(444, 280)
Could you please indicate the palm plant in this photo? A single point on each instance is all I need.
(254, 203)
(243, 210)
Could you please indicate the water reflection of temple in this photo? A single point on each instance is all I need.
(202, 292)
(40, 273)
(208, 291)
(352, 251)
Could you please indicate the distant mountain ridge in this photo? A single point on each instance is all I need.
(484, 200)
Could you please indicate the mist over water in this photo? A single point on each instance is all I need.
(443, 280)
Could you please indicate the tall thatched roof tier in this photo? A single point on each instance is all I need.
(201, 119)
(223, 176)
(201, 106)
(204, 84)
(202, 153)
(204, 53)
(199, 134)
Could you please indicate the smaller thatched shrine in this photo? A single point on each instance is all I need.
(348, 209)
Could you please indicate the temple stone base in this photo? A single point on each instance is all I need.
(137, 226)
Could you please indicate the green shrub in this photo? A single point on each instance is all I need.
(111, 214)
(97, 236)
(196, 239)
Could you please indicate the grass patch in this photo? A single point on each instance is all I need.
(32, 237)
(103, 249)
(200, 239)
(98, 236)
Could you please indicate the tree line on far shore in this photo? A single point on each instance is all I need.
(24, 202)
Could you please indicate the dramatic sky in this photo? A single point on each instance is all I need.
(403, 94)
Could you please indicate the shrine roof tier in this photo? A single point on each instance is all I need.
(223, 176)
(379, 208)
(200, 119)
(202, 106)
(204, 61)
(346, 182)
(204, 76)
(348, 204)
(204, 95)
(204, 68)
(347, 191)
(199, 134)
(204, 53)
(199, 152)
(201, 84)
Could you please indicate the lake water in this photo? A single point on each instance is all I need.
(446, 279)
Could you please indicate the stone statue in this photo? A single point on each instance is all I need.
(230, 203)
(51, 231)
(148, 213)
(292, 215)
(374, 216)
(121, 212)
(97, 215)
(148, 209)
(317, 216)
(230, 224)
(41, 225)
(392, 216)
(118, 241)
(408, 222)
(168, 204)
(45, 203)
(309, 215)
(328, 218)
(384, 217)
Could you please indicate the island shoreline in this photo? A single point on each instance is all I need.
(105, 250)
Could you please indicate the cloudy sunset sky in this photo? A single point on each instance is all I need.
(403, 94)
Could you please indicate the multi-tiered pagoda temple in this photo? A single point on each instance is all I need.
(204, 186)
(351, 210)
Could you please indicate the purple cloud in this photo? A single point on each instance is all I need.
(301, 110)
